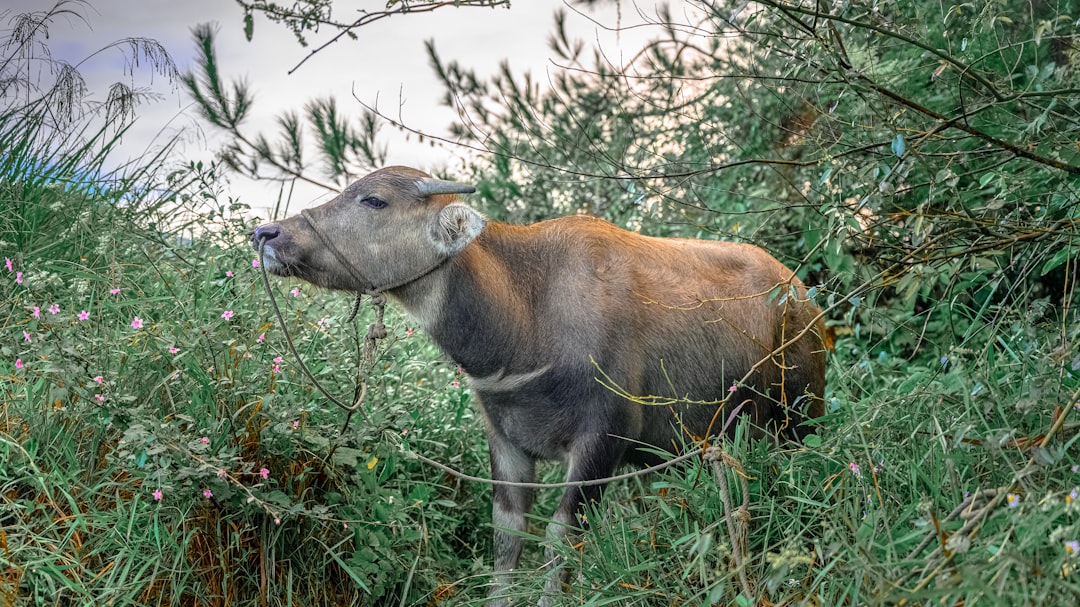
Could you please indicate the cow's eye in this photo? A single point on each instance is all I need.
(373, 202)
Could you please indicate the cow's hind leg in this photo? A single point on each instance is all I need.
(592, 458)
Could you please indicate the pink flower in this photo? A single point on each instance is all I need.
(157, 495)
(99, 379)
(207, 493)
(18, 278)
(254, 263)
(18, 363)
(36, 312)
(278, 359)
(260, 338)
(854, 468)
(733, 388)
(136, 323)
(409, 332)
(26, 336)
(276, 368)
(173, 349)
(277, 521)
(7, 263)
(114, 291)
(455, 383)
(204, 440)
(263, 472)
(296, 292)
(295, 424)
(100, 398)
(84, 315)
(229, 273)
(222, 474)
(227, 314)
(54, 309)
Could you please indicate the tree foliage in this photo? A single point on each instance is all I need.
(340, 147)
(311, 17)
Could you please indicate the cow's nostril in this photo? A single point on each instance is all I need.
(267, 232)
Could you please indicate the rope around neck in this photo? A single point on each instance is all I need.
(355, 272)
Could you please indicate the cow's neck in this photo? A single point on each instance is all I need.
(476, 306)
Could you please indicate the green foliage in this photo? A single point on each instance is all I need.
(341, 146)
(915, 162)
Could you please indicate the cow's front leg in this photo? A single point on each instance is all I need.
(508, 508)
(592, 457)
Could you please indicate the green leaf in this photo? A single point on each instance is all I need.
(898, 146)
(1060, 257)
(347, 569)
(825, 176)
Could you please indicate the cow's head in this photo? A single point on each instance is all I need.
(384, 230)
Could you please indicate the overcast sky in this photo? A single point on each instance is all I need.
(387, 63)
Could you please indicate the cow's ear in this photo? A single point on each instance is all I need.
(458, 225)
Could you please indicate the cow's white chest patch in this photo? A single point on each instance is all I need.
(501, 381)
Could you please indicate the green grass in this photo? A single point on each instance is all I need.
(191, 404)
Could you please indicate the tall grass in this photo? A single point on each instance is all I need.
(157, 448)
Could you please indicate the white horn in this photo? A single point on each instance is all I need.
(432, 186)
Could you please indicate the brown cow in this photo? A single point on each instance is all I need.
(536, 315)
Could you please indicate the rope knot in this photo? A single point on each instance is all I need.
(376, 331)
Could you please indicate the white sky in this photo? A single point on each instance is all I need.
(387, 63)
